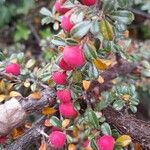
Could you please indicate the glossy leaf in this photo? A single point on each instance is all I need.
(105, 128)
(124, 140)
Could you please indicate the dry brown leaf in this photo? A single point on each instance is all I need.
(137, 146)
(36, 95)
(86, 84)
(16, 132)
(48, 111)
(14, 94)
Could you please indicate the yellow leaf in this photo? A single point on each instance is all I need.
(100, 64)
(100, 79)
(124, 140)
(2, 86)
(2, 97)
(106, 30)
(48, 111)
(65, 123)
(16, 132)
(14, 94)
(86, 84)
(71, 147)
(126, 97)
(88, 148)
(35, 95)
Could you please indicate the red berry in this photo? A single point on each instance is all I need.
(59, 77)
(13, 68)
(57, 139)
(3, 139)
(66, 23)
(59, 7)
(88, 2)
(63, 65)
(67, 110)
(74, 56)
(64, 95)
(106, 142)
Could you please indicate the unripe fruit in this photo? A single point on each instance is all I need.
(63, 65)
(105, 142)
(59, 7)
(13, 68)
(59, 77)
(74, 56)
(57, 139)
(88, 2)
(67, 110)
(64, 95)
(66, 23)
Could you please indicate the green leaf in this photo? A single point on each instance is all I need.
(2, 57)
(105, 128)
(95, 27)
(93, 144)
(92, 119)
(81, 29)
(146, 72)
(109, 6)
(122, 16)
(45, 11)
(55, 122)
(90, 51)
(46, 20)
(58, 41)
(77, 17)
(118, 105)
(133, 108)
(106, 30)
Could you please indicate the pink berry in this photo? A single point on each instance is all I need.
(88, 2)
(59, 7)
(63, 65)
(57, 139)
(67, 110)
(105, 142)
(66, 23)
(86, 143)
(59, 77)
(13, 68)
(64, 95)
(74, 56)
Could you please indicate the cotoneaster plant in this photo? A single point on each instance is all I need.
(89, 35)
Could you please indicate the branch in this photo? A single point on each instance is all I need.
(127, 124)
(30, 137)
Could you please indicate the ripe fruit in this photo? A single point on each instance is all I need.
(67, 110)
(64, 95)
(59, 77)
(105, 142)
(57, 139)
(88, 2)
(63, 65)
(59, 7)
(66, 23)
(13, 68)
(73, 56)
(3, 139)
